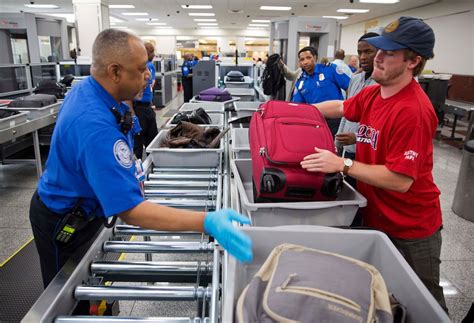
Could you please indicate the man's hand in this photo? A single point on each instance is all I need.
(323, 161)
(347, 138)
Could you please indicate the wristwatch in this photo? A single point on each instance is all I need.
(347, 164)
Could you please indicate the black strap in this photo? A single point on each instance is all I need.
(125, 121)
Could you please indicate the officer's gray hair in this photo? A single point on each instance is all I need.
(111, 45)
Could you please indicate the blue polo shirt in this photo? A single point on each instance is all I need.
(90, 158)
(324, 84)
(147, 92)
(187, 67)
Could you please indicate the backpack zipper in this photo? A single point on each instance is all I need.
(263, 152)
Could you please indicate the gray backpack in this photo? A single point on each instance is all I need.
(299, 284)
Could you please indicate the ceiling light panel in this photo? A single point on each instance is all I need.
(202, 14)
(156, 23)
(257, 25)
(379, 1)
(135, 13)
(42, 6)
(115, 19)
(336, 17)
(195, 6)
(121, 6)
(353, 10)
(260, 20)
(275, 8)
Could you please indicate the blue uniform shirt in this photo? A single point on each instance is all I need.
(187, 67)
(90, 158)
(147, 92)
(324, 84)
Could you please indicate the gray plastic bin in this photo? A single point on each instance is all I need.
(372, 247)
(243, 94)
(217, 120)
(209, 107)
(247, 83)
(179, 157)
(463, 203)
(250, 106)
(330, 213)
(14, 120)
(36, 113)
(240, 143)
(209, 104)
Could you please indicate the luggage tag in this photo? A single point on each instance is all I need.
(140, 175)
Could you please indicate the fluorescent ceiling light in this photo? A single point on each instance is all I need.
(195, 6)
(379, 1)
(42, 6)
(115, 19)
(210, 19)
(146, 19)
(255, 28)
(277, 8)
(156, 23)
(336, 17)
(207, 24)
(353, 10)
(202, 14)
(260, 20)
(69, 16)
(257, 25)
(121, 6)
(134, 13)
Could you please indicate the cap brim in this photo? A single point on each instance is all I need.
(381, 42)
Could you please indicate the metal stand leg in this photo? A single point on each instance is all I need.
(36, 145)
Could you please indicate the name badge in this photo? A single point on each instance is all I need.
(300, 86)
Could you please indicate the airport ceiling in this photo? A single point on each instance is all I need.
(228, 14)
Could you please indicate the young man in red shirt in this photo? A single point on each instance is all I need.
(394, 160)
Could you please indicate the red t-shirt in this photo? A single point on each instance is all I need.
(397, 132)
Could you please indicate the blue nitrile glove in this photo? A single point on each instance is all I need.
(219, 225)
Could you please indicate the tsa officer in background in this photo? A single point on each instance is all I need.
(314, 83)
(187, 78)
(394, 160)
(91, 174)
(143, 108)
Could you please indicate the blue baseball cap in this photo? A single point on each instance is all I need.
(406, 32)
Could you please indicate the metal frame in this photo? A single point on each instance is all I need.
(74, 281)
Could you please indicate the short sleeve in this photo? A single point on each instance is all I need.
(353, 108)
(342, 79)
(108, 164)
(408, 145)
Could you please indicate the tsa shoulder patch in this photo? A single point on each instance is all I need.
(339, 70)
(123, 154)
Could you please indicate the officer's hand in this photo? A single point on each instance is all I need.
(323, 161)
(219, 225)
(348, 138)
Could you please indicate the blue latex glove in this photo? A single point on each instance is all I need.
(219, 225)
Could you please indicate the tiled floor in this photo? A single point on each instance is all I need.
(17, 183)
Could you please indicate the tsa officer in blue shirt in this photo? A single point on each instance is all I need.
(143, 108)
(187, 76)
(317, 83)
(91, 174)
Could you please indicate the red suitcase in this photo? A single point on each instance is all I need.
(281, 134)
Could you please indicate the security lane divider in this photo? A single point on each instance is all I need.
(174, 184)
(179, 193)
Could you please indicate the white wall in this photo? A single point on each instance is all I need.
(164, 44)
(453, 24)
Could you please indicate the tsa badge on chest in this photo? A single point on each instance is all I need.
(123, 154)
(321, 77)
